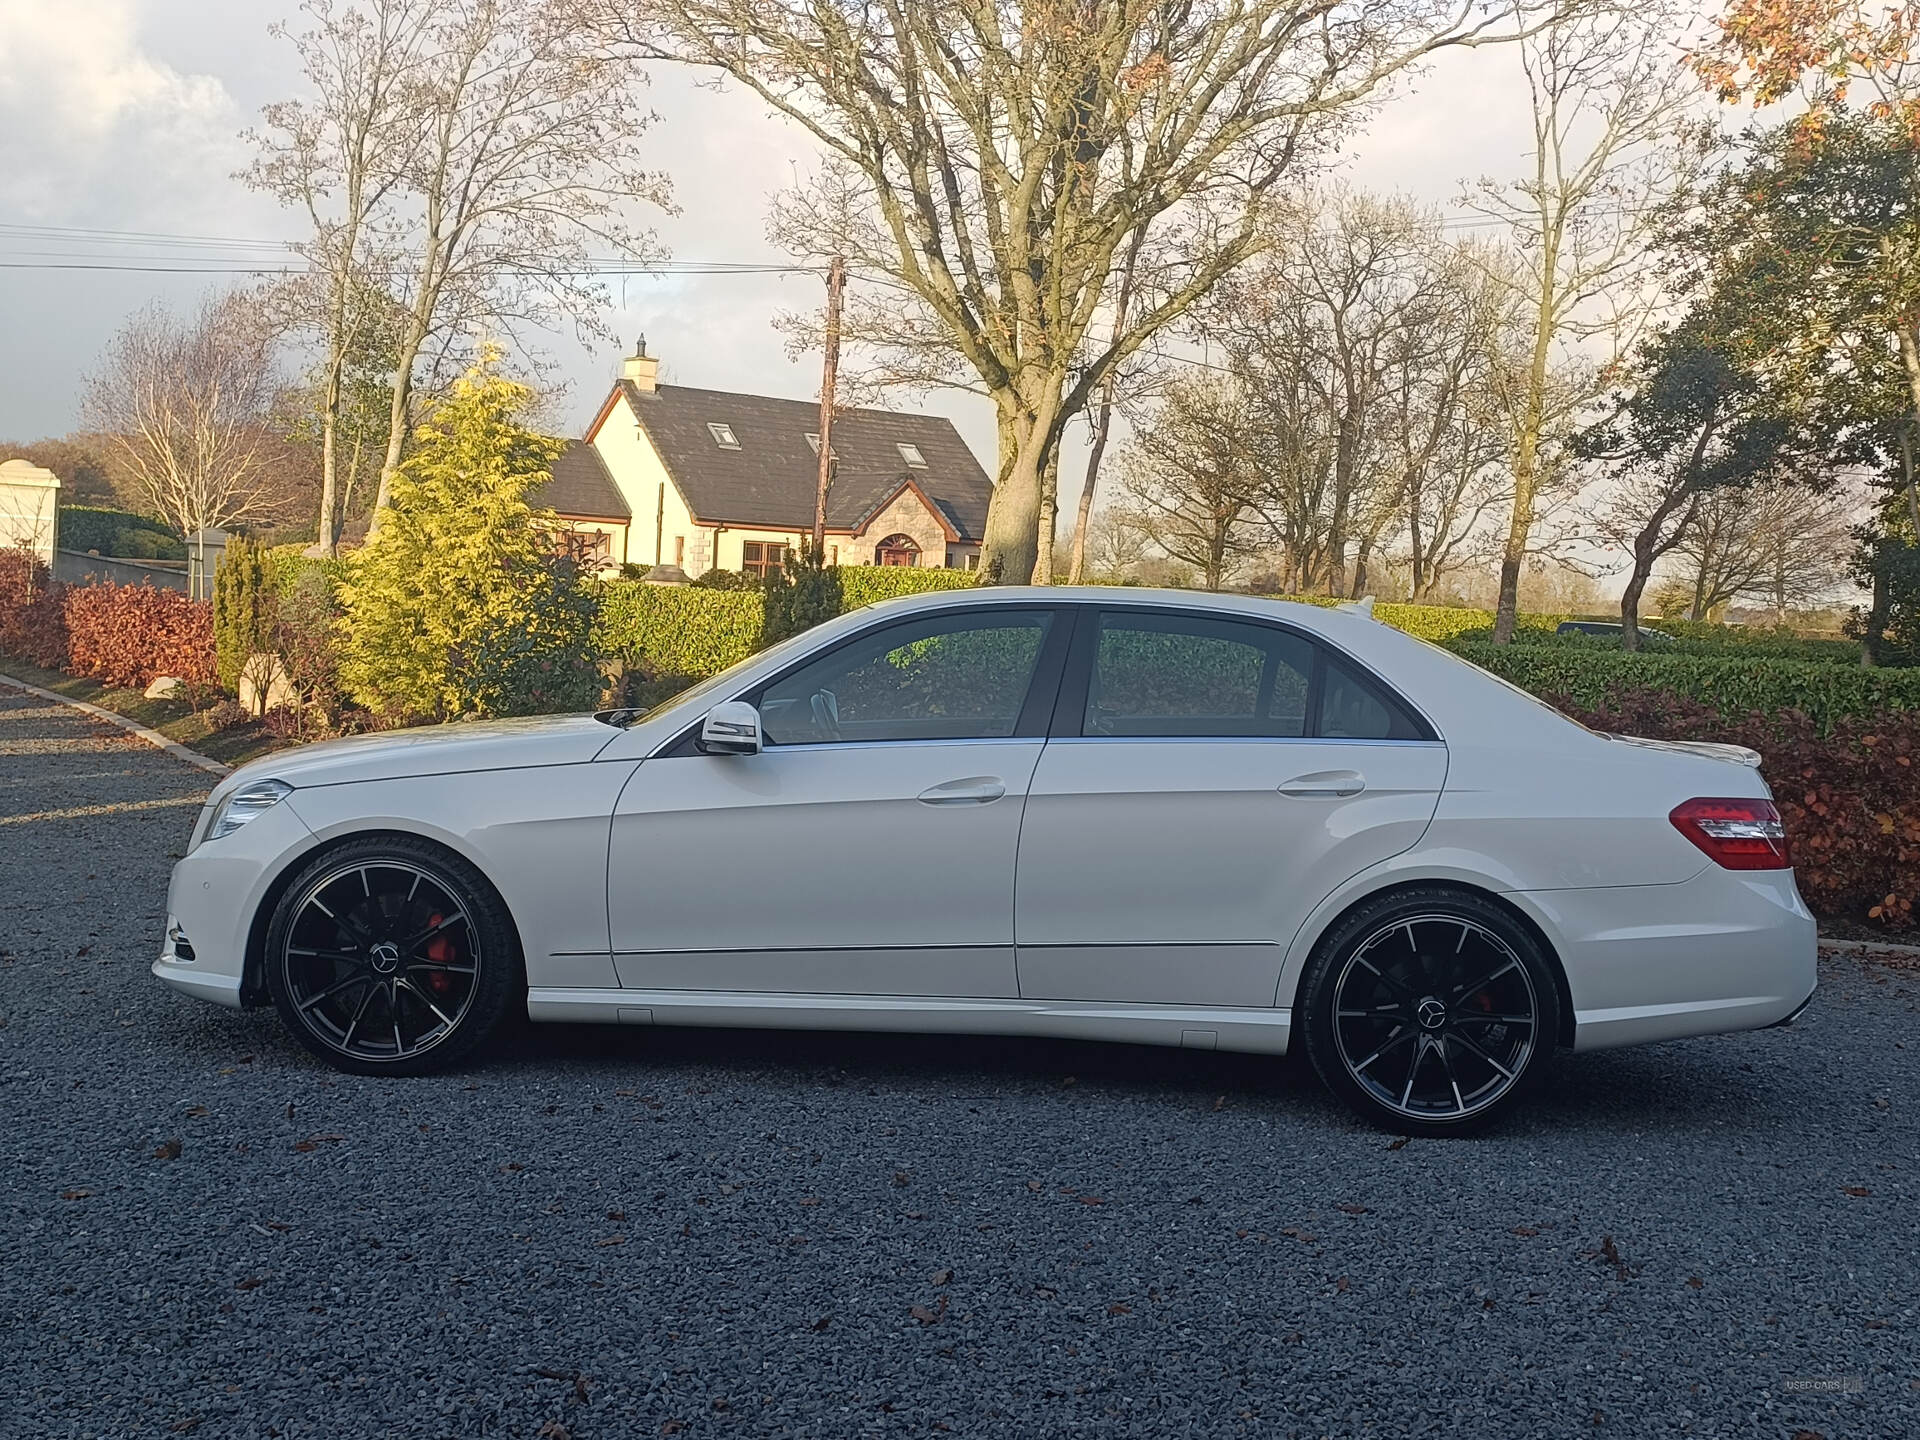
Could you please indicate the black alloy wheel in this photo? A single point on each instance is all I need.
(392, 957)
(1430, 1011)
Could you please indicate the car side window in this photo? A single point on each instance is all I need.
(945, 677)
(1195, 675)
(1351, 709)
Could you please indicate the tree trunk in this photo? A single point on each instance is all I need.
(1630, 597)
(1027, 438)
(1049, 519)
(1873, 633)
(1103, 417)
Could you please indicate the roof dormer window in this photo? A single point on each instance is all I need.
(723, 435)
(911, 454)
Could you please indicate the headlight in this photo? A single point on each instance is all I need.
(245, 803)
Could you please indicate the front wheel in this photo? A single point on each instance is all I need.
(390, 956)
(1431, 1011)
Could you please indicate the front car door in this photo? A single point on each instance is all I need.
(1211, 778)
(869, 848)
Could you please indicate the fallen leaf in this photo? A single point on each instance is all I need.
(671, 1427)
(1341, 1285)
(194, 1112)
(580, 1390)
(1696, 1282)
(76, 1194)
(613, 1240)
(926, 1316)
(1352, 1209)
(940, 1277)
(1292, 1337)
(252, 1282)
(1090, 1199)
(547, 1373)
(1220, 1103)
(901, 1178)
(553, 1430)
(617, 1216)
(821, 1324)
(1857, 1191)
(1526, 1231)
(809, 1199)
(1400, 1144)
(168, 1149)
(181, 1427)
(1118, 1309)
(1036, 1185)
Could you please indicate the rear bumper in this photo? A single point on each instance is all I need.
(1726, 950)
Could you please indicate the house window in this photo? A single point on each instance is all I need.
(723, 435)
(590, 549)
(897, 550)
(911, 454)
(763, 558)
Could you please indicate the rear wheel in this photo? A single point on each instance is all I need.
(392, 957)
(1430, 1011)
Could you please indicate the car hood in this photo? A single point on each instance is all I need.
(433, 750)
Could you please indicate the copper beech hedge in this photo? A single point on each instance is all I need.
(125, 635)
(1850, 796)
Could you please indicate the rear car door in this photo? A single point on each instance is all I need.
(1209, 780)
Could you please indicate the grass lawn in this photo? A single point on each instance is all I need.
(174, 719)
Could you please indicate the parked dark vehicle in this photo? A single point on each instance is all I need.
(1606, 629)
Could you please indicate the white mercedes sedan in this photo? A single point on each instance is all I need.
(1153, 817)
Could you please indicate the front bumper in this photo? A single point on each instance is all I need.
(212, 899)
(1726, 950)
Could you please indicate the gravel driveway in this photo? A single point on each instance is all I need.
(608, 1234)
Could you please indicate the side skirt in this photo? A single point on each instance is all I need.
(1259, 1031)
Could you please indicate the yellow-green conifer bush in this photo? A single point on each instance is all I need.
(459, 605)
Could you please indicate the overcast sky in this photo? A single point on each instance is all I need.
(126, 115)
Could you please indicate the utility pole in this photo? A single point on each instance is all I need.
(830, 371)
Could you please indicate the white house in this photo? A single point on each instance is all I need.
(707, 479)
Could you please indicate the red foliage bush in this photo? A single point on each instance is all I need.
(1850, 798)
(32, 611)
(129, 634)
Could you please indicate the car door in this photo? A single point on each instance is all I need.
(869, 848)
(1210, 780)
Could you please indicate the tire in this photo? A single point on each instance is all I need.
(1430, 1011)
(392, 956)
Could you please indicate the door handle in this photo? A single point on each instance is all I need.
(975, 790)
(1325, 785)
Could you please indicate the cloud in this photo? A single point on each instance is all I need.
(98, 130)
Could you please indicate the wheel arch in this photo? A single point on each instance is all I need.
(253, 972)
(1324, 923)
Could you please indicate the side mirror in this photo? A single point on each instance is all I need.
(731, 728)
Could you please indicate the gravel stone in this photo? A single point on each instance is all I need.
(615, 1233)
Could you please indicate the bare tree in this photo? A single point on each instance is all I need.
(1194, 480)
(467, 156)
(1779, 543)
(339, 157)
(1008, 149)
(1607, 103)
(185, 409)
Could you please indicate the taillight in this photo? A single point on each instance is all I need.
(1736, 834)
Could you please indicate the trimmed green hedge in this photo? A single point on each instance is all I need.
(118, 534)
(677, 629)
(865, 584)
(285, 564)
(1588, 675)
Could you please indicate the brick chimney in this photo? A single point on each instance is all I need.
(641, 368)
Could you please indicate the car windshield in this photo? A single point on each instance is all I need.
(624, 716)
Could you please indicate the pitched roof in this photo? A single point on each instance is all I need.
(769, 480)
(581, 487)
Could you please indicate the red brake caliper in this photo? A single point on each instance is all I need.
(440, 951)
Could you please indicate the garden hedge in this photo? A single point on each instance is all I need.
(1588, 675)
(677, 629)
(118, 533)
(865, 584)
